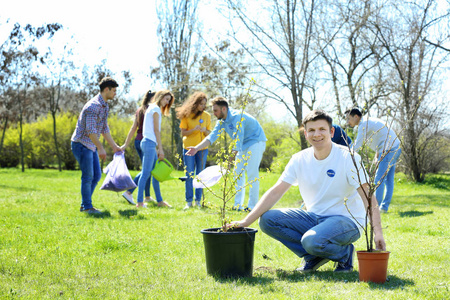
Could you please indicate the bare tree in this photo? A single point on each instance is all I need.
(282, 47)
(226, 72)
(416, 64)
(353, 53)
(178, 20)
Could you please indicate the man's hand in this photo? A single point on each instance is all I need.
(117, 149)
(192, 151)
(236, 224)
(101, 153)
(380, 244)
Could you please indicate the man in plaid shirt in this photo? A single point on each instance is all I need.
(86, 145)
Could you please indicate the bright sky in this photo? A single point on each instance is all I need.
(129, 41)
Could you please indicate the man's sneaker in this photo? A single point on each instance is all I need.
(312, 265)
(188, 206)
(383, 211)
(91, 211)
(348, 265)
(129, 198)
(198, 204)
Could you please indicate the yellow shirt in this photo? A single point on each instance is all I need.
(204, 120)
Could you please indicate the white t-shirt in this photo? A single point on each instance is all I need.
(147, 129)
(377, 134)
(324, 184)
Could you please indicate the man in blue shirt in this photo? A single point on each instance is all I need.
(340, 137)
(249, 148)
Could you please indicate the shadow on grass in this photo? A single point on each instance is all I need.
(104, 214)
(257, 279)
(392, 282)
(131, 214)
(17, 188)
(441, 181)
(414, 213)
(267, 275)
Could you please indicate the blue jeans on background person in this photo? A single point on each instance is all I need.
(309, 235)
(194, 165)
(91, 172)
(389, 161)
(137, 145)
(148, 164)
(250, 166)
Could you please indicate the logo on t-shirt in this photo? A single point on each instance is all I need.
(331, 173)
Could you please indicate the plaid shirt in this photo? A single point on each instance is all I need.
(93, 119)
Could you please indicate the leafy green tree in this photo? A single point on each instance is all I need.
(19, 62)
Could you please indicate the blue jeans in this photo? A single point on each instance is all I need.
(137, 145)
(148, 164)
(387, 182)
(251, 167)
(91, 172)
(194, 165)
(309, 235)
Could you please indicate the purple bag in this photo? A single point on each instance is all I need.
(118, 177)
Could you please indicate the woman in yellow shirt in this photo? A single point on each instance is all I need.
(195, 126)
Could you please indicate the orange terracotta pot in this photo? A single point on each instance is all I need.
(373, 266)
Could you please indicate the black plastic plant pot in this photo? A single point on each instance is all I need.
(229, 254)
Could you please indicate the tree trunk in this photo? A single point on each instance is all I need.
(22, 154)
(177, 143)
(56, 140)
(3, 134)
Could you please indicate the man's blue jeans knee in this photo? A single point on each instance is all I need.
(90, 172)
(309, 235)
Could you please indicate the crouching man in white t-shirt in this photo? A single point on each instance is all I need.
(325, 175)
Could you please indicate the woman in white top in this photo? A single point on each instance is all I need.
(151, 143)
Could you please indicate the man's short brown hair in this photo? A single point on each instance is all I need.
(316, 115)
(220, 101)
(107, 82)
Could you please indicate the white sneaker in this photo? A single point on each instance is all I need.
(188, 206)
(129, 198)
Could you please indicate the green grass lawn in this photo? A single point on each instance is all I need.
(48, 249)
